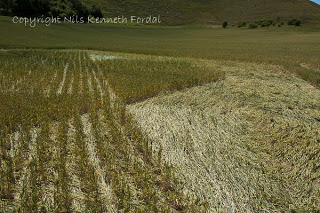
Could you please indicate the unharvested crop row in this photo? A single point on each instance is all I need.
(135, 78)
(74, 149)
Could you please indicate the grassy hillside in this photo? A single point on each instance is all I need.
(212, 11)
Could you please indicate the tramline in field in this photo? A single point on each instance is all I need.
(66, 147)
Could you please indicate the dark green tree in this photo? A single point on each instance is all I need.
(96, 12)
(80, 9)
(41, 7)
(23, 8)
(7, 6)
(294, 22)
(61, 8)
(35, 8)
(224, 24)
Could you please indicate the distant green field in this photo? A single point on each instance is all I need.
(298, 49)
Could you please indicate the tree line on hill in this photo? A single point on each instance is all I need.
(34, 8)
(264, 23)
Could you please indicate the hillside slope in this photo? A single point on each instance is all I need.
(212, 11)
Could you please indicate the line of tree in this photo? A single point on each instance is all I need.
(34, 8)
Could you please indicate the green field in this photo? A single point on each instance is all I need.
(116, 118)
(297, 49)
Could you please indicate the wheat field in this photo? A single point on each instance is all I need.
(80, 133)
(248, 143)
(68, 144)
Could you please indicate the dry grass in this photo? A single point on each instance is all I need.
(248, 143)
